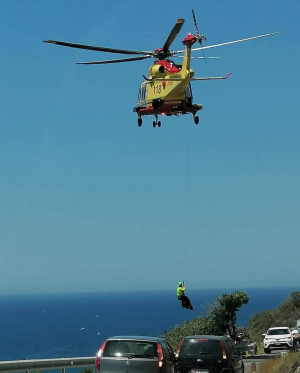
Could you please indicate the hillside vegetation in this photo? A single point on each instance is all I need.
(286, 314)
(220, 321)
(289, 364)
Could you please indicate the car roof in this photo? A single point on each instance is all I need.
(279, 327)
(135, 338)
(213, 337)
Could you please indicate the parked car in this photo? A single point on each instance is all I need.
(278, 338)
(128, 354)
(207, 354)
(245, 347)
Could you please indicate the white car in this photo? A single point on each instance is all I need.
(278, 338)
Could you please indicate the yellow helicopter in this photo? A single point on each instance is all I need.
(167, 90)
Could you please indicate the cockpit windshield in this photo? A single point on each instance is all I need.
(172, 63)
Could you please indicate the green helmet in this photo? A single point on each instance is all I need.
(179, 283)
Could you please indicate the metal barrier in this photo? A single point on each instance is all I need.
(83, 362)
(46, 364)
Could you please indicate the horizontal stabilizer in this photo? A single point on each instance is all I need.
(167, 79)
(213, 78)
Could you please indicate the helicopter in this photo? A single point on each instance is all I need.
(167, 89)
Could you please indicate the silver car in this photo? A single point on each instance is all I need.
(130, 354)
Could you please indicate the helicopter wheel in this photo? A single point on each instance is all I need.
(154, 124)
(196, 119)
(159, 124)
(140, 121)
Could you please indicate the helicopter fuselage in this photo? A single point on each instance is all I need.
(167, 90)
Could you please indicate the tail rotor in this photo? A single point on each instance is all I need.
(199, 36)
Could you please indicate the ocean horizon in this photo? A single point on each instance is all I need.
(41, 326)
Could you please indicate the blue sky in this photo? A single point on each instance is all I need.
(89, 201)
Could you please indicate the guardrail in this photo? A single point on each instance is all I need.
(74, 362)
(46, 364)
(261, 357)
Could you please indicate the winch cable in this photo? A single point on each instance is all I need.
(186, 199)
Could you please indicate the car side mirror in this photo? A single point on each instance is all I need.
(264, 335)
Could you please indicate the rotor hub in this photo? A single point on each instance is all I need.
(160, 54)
(189, 40)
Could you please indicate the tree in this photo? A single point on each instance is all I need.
(220, 321)
(226, 311)
(295, 298)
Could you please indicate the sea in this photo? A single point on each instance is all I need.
(45, 326)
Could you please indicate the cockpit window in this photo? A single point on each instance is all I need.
(172, 63)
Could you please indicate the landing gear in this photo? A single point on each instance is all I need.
(156, 122)
(196, 119)
(140, 121)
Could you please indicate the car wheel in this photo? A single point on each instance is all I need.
(267, 351)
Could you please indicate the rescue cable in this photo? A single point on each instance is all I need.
(186, 200)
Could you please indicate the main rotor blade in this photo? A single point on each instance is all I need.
(232, 42)
(197, 57)
(237, 41)
(99, 49)
(195, 22)
(113, 61)
(173, 34)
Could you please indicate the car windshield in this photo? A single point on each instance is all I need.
(123, 348)
(278, 331)
(200, 346)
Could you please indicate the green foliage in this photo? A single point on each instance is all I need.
(295, 298)
(86, 370)
(285, 315)
(220, 321)
(229, 304)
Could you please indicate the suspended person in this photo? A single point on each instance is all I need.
(185, 301)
